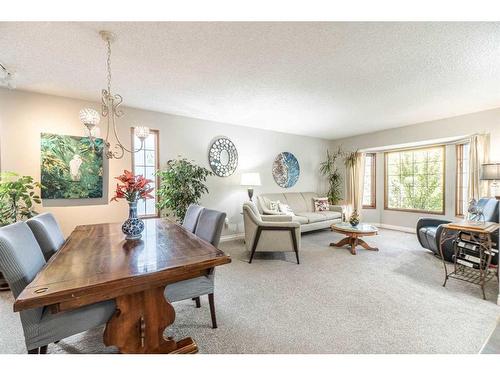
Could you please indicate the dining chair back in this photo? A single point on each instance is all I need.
(191, 218)
(47, 233)
(210, 225)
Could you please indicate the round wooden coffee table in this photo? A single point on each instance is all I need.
(353, 235)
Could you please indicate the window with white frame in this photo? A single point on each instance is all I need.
(146, 163)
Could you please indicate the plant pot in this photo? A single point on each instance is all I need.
(133, 226)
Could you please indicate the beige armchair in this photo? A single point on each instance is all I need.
(269, 232)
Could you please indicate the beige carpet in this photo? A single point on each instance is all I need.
(386, 302)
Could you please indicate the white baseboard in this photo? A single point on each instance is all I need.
(240, 236)
(395, 227)
(232, 237)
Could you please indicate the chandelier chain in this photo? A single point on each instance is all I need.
(108, 62)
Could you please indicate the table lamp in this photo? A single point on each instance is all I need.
(491, 172)
(250, 179)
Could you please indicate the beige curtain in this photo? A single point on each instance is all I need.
(355, 184)
(478, 154)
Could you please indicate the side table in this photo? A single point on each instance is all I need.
(480, 270)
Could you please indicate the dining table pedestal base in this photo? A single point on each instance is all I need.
(139, 322)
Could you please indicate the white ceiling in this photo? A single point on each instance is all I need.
(327, 80)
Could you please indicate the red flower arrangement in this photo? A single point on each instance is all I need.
(133, 187)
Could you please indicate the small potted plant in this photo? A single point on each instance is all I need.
(354, 219)
(132, 188)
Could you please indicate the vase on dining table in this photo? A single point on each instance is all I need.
(133, 226)
(132, 188)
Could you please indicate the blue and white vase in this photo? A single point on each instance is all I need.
(133, 226)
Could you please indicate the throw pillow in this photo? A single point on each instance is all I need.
(274, 205)
(285, 208)
(321, 204)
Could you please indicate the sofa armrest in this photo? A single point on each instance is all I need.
(337, 208)
(285, 224)
(276, 218)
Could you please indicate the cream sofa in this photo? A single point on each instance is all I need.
(302, 205)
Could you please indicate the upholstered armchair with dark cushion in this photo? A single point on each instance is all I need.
(429, 230)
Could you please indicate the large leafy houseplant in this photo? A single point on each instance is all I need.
(17, 197)
(328, 169)
(182, 183)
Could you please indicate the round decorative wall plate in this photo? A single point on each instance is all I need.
(223, 157)
(286, 169)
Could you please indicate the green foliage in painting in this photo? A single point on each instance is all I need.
(181, 183)
(17, 197)
(72, 167)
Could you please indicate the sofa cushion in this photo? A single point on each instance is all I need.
(330, 215)
(309, 199)
(312, 217)
(296, 202)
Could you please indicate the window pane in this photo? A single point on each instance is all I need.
(141, 208)
(150, 207)
(139, 158)
(150, 142)
(146, 164)
(415, 182)
(150, 158)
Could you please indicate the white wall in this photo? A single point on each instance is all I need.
(23, 116)
(480, 122)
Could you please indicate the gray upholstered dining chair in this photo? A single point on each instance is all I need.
(20, 260)
(191, 218)
(47, 233)
(209, 228)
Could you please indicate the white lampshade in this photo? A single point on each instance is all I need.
(490, 171)
(89, 117)
(141, 132)
(250, 179)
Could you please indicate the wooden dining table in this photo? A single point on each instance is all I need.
(97, 264)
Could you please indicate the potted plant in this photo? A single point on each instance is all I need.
(182, 183)
(328, 168)
(132, 188)
(17, 197)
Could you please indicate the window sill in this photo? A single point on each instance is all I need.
(442, 213)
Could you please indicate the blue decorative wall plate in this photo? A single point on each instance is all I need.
(286, 169)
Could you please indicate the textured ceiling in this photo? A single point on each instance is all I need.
(327, 80)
